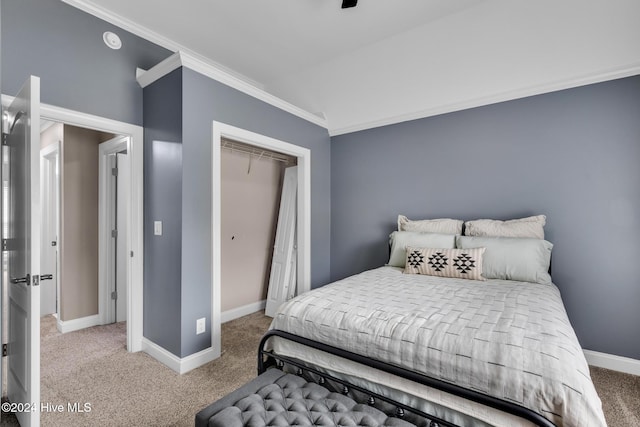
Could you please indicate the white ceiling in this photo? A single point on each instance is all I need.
(387, 61)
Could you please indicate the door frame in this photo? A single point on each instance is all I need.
(136, 218)
(303, 241)
(115, 145)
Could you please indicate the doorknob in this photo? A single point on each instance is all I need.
(46, 276)
(26, 279)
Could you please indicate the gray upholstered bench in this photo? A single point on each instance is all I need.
(276, 398)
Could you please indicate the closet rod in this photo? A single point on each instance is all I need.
(242, 148)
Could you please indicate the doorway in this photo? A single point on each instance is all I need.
(135, 219)
(252, 182)
(303, 237)
(84, 198)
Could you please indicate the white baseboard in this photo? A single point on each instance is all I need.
(179, 365)
(245, 310)
(613, 362)
(65, 326)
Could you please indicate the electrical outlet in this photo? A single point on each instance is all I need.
(200, 326)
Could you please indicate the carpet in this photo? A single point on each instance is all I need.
(91, 370)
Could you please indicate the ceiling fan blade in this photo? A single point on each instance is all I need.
(349, 3)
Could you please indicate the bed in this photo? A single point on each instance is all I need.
(504, 338)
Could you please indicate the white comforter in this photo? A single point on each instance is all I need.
(508, 339)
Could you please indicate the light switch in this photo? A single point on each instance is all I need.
(157, 228)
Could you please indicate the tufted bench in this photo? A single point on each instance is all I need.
(276, 398)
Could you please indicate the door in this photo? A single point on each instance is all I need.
(22, 243)
(113, 212)
(49, 192)
(282, 278)
(120, 244)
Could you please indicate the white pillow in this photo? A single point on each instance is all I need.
(399, 240)
(440, 225)
(532, 226)
(511, 258)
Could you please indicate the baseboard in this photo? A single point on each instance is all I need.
(245, 310)
(613, 362)
(179, 365)
(65, 326)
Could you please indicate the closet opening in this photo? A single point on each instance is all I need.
(256, 243)
(254, 209)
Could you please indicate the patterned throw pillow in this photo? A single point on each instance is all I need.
(458, 263)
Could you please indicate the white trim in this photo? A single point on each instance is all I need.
(179, 365)
(613, 362)
(245, 310)
(65, 326)
(304, 212)
(605, 75)
(145, 78)
(136, 268)
(204, 67)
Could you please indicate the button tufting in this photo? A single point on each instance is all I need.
(292, 401)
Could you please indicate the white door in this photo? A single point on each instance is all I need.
(121, 214)
(49, 196)
(113, 211)
(23, 246)
(282, 277)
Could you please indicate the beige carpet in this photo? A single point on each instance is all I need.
(126, 389)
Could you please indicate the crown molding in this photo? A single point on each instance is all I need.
(181, 59)
(598, 77)
(187, 58)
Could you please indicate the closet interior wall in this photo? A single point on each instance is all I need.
(250, 194)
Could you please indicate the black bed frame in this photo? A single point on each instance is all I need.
(267, 359)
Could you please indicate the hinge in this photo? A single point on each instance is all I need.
(114, 233)
(5, 350)
(114, 171)
(8, 244)
(5, 138)
(114, 295)
(131, 254)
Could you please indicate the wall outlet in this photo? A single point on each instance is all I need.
(200, 326)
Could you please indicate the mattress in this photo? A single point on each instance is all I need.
(511, 340)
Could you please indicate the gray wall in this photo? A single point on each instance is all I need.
(206, 100)
(63, 46)
(163, 202)
(572, 155)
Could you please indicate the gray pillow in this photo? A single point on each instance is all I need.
(399, 240)
(512, 258)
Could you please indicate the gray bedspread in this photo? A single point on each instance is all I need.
(508, 339)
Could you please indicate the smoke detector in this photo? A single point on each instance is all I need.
(112, 40)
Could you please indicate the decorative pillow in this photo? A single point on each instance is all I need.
(532, 226)
(512, 258)
(399, 240)
(440, 225)
(458, 263)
